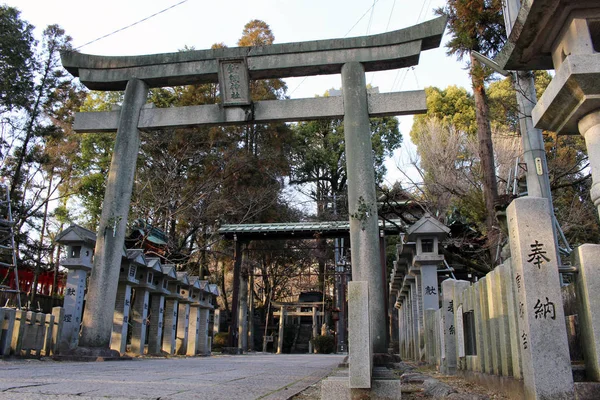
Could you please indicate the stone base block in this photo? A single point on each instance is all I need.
(385, 359)
(91, 354)
(587, 390)
(338, 388)
(231, 350)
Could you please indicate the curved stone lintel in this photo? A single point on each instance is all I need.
(389, 50)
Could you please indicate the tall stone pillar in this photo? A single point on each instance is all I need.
(243, 311)
(250, 346)
(139, 319)
(170, 326)
(183, 323)
(121, 318)
(204, 320)
(415, 319)
(216, 321)
(282, 316)
(193, 331)
(451, 289)
(589, 127)
(315, 330)
(73, 306)
(102, 291)
(429, 287)
(587, 258)
(543, 337)
(157, 309)
(362, 202)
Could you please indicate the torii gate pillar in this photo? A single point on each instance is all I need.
(362, 200)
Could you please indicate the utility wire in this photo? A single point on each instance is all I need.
(129, 26)
(360, 19)
(347, 33)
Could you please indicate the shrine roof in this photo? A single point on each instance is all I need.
(300, 230)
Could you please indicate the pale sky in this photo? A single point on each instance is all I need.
(199, 24)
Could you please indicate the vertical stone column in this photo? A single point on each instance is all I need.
(486, 348)
(587, 257)
(281, 326)
(216, 321)
(157, 310)
(362, 202)
(243, 311)
(315, 330)
(512, 312)
(501, 303)
(203, 343)
(415, 321)
(429, 287)
(235, 297)
(480, 332)
(98, 319)
(430, 329)
(170, 326)
(494, 326)
(73, 306)
(139, 318)
(193, 332)
(361, 353)
(250, 346)
(420, 339)
(589, 127)
(451, 289)
(183, 323)
(118, 340)
(545, 354)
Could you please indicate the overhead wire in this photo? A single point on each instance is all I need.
(130, 25)
(347, 33)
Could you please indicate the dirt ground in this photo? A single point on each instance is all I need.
(465, 390)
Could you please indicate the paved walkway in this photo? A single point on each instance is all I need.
(261, 376)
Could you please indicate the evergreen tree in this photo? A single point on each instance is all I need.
(478, 25)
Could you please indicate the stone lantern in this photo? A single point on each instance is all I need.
(563, 35)
(80, 244)
(427, 234)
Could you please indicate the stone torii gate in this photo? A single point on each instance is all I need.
(233, 68)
